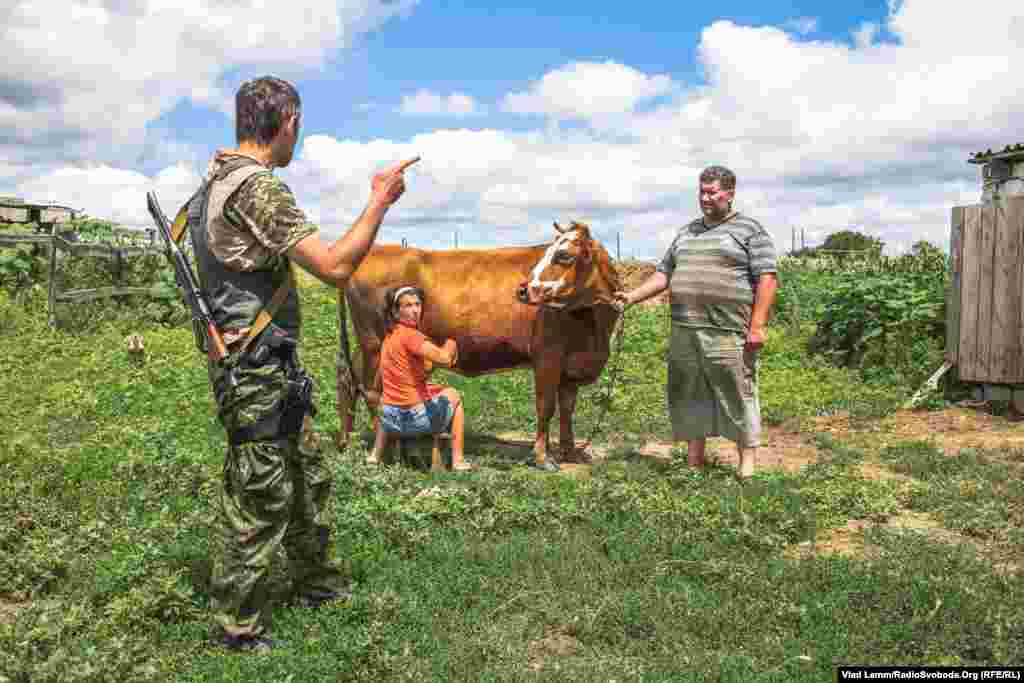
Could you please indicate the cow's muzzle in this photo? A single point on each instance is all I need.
(531, 297)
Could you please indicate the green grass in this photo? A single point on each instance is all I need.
(976, 492)
(642, 570)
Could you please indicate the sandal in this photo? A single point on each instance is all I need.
(467, 465)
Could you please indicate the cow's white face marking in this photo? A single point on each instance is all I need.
(559, 247)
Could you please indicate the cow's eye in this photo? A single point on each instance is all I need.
(564, 258)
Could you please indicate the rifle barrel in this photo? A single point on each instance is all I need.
(187, 282)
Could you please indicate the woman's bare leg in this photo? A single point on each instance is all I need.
(458, 428)
(379, 444)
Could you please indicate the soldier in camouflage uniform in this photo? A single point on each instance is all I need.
(246, 229)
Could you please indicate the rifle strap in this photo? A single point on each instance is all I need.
(180, 222)
(266, 314)
(264, 317)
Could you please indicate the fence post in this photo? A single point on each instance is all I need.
(51, 296)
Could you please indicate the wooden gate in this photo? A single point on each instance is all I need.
(984, 331)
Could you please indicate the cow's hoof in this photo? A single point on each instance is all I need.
(579, 456)
(546, 466)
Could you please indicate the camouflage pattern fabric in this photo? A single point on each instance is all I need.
(274, 492)
(712, 386)
(267, 219)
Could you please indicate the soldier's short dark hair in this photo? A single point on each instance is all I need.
(391, 303)
(262, 105)
(726, 178)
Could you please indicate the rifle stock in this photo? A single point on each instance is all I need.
(215, 347)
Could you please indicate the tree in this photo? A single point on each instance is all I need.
(925, 249)
(847, 241)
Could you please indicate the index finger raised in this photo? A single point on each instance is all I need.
(400, 168)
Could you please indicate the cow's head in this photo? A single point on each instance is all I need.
(575, 271)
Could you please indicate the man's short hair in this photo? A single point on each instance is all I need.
(726, 178)
(262, 105)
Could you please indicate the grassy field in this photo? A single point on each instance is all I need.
(637, 569)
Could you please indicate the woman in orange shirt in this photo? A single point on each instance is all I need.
(409, 405)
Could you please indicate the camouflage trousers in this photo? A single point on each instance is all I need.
(274, 491)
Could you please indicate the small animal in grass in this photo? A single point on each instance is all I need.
(136, 347)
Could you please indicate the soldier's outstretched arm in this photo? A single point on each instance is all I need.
(334, 263)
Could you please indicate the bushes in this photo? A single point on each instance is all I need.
(888, 319)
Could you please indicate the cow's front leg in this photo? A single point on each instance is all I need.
(546, 390)
(567, 392)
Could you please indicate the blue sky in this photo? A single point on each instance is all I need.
(834, 115)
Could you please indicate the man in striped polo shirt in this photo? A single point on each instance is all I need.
(721, 274)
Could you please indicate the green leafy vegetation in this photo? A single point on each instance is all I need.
(636, 569)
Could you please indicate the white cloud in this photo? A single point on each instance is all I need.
(802, 25)
(824, 135)
(81, 79)
(115, 194)
(865, 34)
(584, 90)
(424, 102)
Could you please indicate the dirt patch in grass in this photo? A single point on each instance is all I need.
(558, 641)
(849, 540)
(9, 609)
(957, 428)
(790, 445)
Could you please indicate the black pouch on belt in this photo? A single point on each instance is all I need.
(298, 403)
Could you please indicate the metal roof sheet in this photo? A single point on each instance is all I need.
(1008, 152)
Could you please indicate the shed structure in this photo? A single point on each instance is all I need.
(16, 210)
(985, 300)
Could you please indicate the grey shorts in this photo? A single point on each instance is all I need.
(712, 386)
(429, 417)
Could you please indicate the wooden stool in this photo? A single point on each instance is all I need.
(407, 450)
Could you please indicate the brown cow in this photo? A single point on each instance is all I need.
(547, 307)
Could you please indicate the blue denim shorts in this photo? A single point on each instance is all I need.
(430, 417)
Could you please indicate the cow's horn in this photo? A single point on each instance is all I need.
(558, 227)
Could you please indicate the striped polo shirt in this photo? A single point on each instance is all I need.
(713, 272)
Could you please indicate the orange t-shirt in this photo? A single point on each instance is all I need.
(403, 368)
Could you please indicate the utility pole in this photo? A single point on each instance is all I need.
(803, 239)
(405, 243)
(618, 247)
(456, 234)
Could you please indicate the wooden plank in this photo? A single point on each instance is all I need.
(1005, 304)
(970, 271)
(77, 296)
(986, 280)
(10, 238)
(52, 289)
(1015, 223)
(102, 250)
(953, 289)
